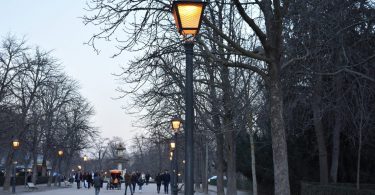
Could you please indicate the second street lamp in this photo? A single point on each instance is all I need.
(15, 146)
(188, 18)
(176, 124)
(60, 153)
(85, 159)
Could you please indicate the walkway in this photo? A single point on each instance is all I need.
(147, 190)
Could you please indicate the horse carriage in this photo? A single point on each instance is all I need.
(114, 181)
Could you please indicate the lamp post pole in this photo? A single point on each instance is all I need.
(189, 120)
(14, 177)
(175, 162)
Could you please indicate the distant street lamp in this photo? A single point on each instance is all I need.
(85, 159)
(175, 124)
(60, 153)
(188, 17)
(15, 146)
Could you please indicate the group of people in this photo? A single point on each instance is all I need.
(86, 178)
(164, 178)
(89, 180)
(131, 180)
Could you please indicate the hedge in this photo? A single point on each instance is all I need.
(336, 189)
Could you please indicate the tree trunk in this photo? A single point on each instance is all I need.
(219, 135)
(35, 168)
(8, 171)
(359, 157)
(220, 163)
(279, 144)
(253, 168)
(336, 131)
(231, 169)
(44, 166)
(205, 182)
(335, 147)
(318, 126)
(229, 133)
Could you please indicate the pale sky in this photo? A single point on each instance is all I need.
(55, 25)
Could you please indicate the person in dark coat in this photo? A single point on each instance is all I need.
(78, 179)
(90, 180)
(166, 178)
(147, 178)
(134, 180)
(97, 183)
(158, 182)
(140, 182)
(128, 183)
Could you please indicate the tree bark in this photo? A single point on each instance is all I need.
(205, 182)
(279, 144)
(253, 168)
(220, 163)
(229, 133)
(359, 158)
(318, 126)
(35, 168)
(8, 171)
(218, 134)
(336, 130)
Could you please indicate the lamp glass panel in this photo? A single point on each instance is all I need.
(176, 124)
(16, 144)
(175, 16)
(190, 16)
(189, 32)
(173, 145)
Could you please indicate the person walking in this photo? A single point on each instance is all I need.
(97, 183)
(128, 183)
(89, 180)
(158, 182)
(134, 180)
(78, 179)
(166, 178)
(147, 178)
(141, 181)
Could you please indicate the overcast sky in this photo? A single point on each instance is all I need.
(55, 25)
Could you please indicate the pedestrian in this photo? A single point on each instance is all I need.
(97, 182)
(84, 177)
(147, 178)
(166, 178)
(134, 180)
(140, 182)
(128, 183)
(158, 182)
(78, 179)
(89, 180)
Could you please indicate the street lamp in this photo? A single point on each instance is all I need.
(85, 159)
(60, 153)
(15, 146)
(188, 17)
(175, 124)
